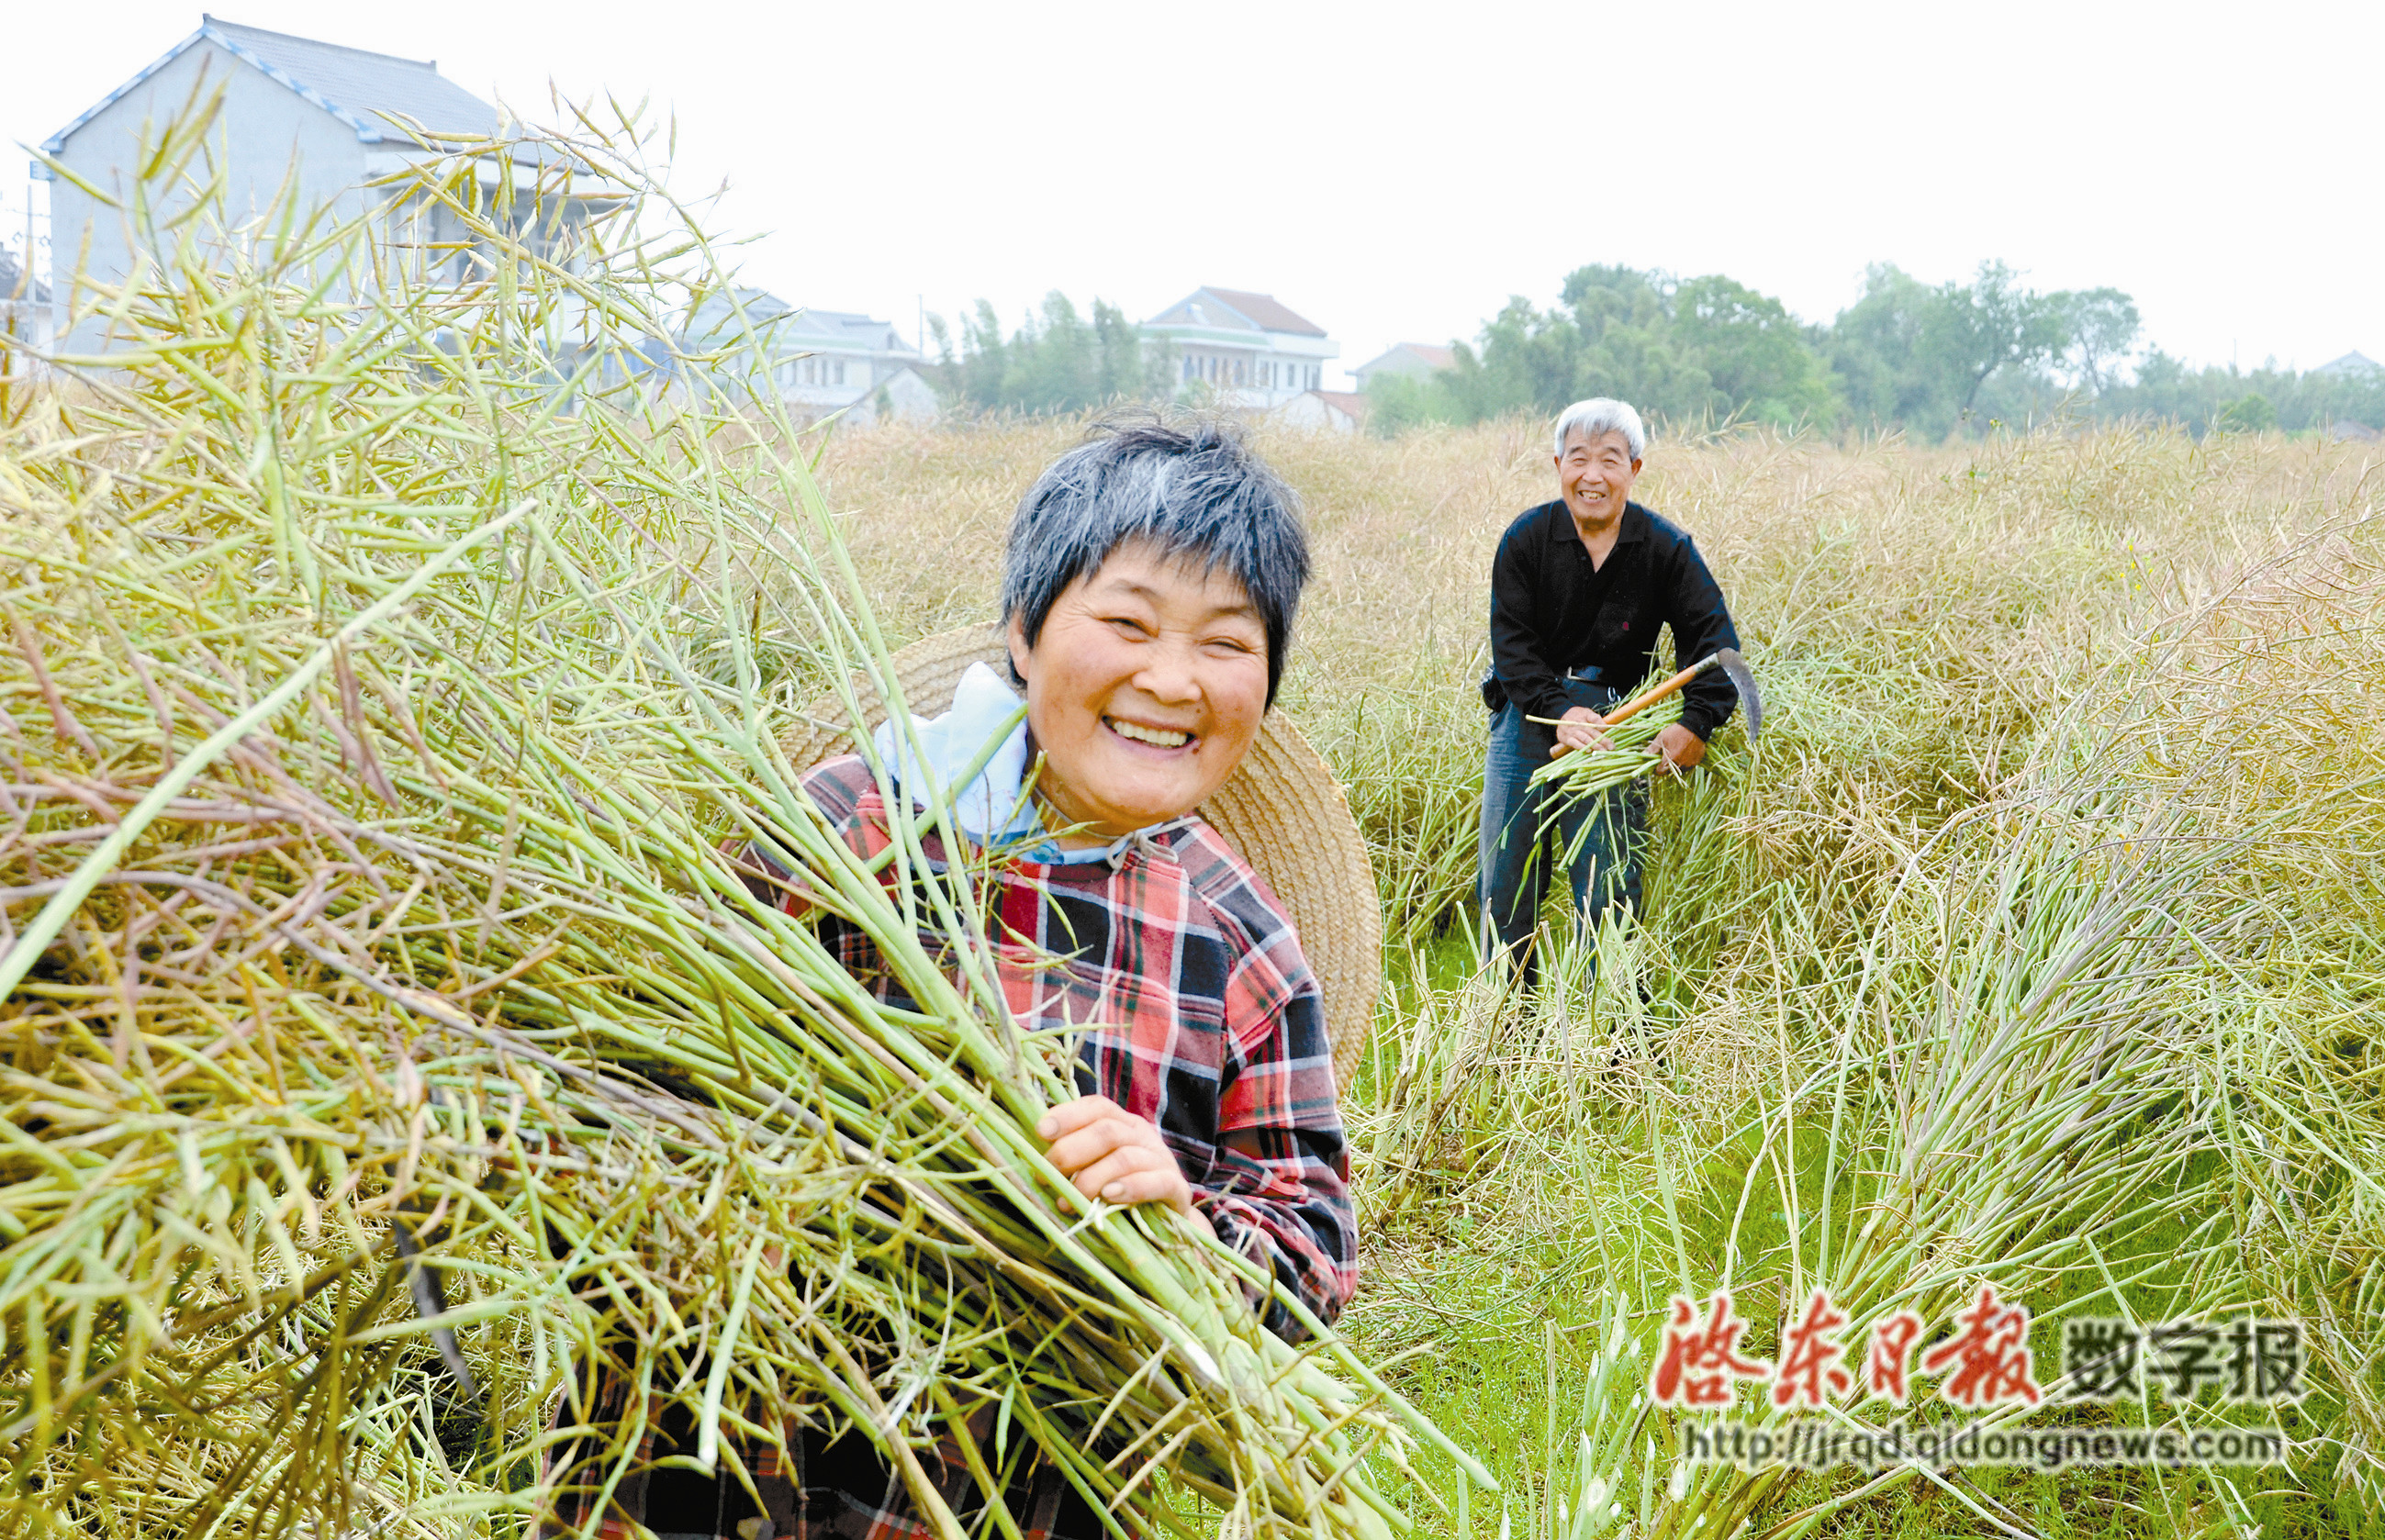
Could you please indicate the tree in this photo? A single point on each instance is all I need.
(1396, 403)
(1912, 356)
(2250, 412)
(1877, 348)
(1753, 353)
(1710, 348)
(1990, 325)
(1054, 363)
(2102, 326)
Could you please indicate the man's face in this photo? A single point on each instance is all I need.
(1595, 475)
(1145, 689)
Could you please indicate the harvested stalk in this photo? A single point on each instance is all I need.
(380, 997)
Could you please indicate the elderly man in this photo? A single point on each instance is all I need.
(1579, 591)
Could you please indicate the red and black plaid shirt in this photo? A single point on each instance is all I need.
(1197, 1012)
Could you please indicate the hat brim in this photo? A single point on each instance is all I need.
(1280, 810)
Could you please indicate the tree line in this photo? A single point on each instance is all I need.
(1055, 362)
(1928, 359)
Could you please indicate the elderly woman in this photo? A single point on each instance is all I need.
(1148, 593)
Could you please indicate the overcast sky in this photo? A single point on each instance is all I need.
(1394, 173)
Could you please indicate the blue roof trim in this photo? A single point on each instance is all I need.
(367, 133)
(57, 142)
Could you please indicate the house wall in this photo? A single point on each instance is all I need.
(1313, 412)
(262, 129)
(907, 398)
(1399, 361)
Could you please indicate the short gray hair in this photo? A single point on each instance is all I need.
(1599, 415)
(1194, 490)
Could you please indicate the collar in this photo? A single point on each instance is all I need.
(1146, 842)
(1631, 530)
(973, 758)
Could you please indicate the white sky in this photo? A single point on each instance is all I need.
(1395, 173)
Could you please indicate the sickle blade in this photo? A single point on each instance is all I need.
(1742, 679)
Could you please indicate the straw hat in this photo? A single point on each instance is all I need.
(1281, 809)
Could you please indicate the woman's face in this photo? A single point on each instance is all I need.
(1143, 690)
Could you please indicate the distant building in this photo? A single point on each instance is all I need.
(316, 114)
(2351, 364)
(824, 361)
(1405, 358)
(25, 313)
(1252, 351)
(2351, 430)
(1323, 410)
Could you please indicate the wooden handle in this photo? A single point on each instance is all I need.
(1633, 708)
(1660, 692)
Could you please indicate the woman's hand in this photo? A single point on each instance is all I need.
(1107, 1152)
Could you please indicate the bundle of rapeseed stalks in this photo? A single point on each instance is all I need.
(386, 1038)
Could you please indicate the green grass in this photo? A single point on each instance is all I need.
(1478, 1312)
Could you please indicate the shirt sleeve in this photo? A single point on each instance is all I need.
(1279, 1188)
(1701, 625)
(835, 788)
(1529, 682)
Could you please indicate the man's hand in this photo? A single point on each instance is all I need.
(1107, 1152)
(1581, 728)
(1680, 749)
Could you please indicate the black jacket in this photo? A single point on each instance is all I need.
(1551, 612)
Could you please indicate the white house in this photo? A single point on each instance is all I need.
(2351, 364)
(317, 115)
(824, 360)
(1323, 410)
(1252, 351)
(25, 315)
(1420, 359)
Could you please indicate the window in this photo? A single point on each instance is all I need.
(840, 371)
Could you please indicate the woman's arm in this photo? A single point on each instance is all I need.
(1280, 1191)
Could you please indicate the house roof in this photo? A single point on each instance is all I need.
(11, 276)
(2351, 362)
(1242, 309)
(845, 328)
(1431, 356)
(353, 85)
(793, 330)
(1348, 400)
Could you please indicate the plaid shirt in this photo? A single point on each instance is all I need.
(1199, 1013)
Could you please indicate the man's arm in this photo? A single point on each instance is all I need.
(1530, 681)
(1701, 625)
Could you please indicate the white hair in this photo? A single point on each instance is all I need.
(1589, 418)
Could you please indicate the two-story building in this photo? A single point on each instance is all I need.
(1253, 352)
(319, 118)
(824, 360)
